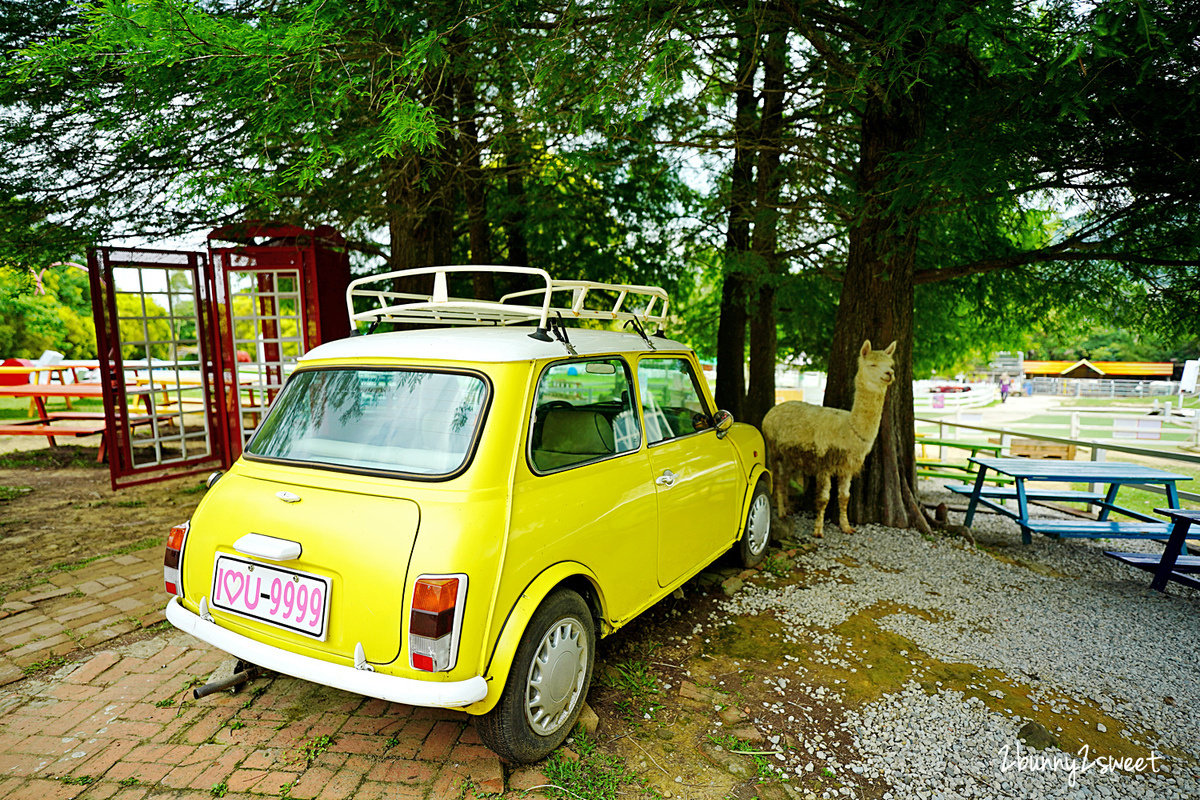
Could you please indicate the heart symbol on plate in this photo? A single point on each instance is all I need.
(232, 595)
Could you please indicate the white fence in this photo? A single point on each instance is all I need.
(1101, 387)
(980, 394)
(966, 427)
(1097, 425)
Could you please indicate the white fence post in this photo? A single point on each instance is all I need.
(1074, 425)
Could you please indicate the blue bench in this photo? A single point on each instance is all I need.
(1115, 474)
(1173, 564)
(1010, 493)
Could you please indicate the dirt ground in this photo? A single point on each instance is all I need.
(57, 508)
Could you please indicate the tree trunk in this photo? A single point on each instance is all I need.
(877, 304)
(760, 397)
(731, 329)
(479, 234)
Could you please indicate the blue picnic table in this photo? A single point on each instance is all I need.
(1172, 565)
(1114, 474)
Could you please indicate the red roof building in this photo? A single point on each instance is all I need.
(1138, 370)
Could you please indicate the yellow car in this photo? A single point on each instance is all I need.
(451, 517)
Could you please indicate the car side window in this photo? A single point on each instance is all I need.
(672, 402)
(583, 411)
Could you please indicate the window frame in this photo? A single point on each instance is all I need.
(531, 416)
(710, 411)
(424, 477)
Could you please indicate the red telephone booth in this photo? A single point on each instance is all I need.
(195, 346)
(280, 291)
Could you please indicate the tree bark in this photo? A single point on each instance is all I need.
(760, 397)
(479, 234)
(877, 304)
(731, 329)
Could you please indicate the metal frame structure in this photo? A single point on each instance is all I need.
(439, 308)
(175, 443)
(287, 283)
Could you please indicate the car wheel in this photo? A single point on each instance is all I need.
(547, 683)
(757, 534)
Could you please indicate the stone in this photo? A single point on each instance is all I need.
(1037, 736)
(588, 721)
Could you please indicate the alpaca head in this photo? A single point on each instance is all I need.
(875, 368)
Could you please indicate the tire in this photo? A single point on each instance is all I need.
(547, 683)
(756, 534)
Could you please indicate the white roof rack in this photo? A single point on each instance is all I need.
(440, 308)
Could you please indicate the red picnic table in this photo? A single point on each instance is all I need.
(86, 423)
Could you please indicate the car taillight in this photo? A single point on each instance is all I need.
(172, 558)
(436, 621)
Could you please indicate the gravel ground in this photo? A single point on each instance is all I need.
(1058, 616)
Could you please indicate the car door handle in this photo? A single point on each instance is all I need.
(666, 479)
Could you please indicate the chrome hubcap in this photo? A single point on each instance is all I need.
(556, 676)
(758, 527)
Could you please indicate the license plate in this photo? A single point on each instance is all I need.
(293, 600)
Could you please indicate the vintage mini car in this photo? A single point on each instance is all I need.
(451, 517)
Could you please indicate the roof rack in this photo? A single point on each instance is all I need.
(440, 308)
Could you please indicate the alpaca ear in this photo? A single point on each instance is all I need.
(866, 348)
(891, 348)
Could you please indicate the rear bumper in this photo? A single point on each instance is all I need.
(392, 688)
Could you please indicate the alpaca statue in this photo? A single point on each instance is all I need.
(803, 439)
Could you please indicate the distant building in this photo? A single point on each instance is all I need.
(1116, 370)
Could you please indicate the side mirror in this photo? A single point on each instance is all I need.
(722, 421)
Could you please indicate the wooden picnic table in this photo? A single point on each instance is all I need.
(1174, 564)
(1114, 474)
(47, 423)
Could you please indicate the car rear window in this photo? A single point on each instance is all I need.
(410, 421)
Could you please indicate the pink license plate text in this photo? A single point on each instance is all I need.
(287, 599)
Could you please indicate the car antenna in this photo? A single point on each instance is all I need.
(560, 332)
(637, 326)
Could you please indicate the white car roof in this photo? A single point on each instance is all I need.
(483, 344)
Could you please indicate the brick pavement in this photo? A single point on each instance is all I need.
(75, 610)
(115, 721)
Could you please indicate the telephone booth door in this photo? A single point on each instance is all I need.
(194, 347)
(282, 293)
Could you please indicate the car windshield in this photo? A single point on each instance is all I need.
(407, 421)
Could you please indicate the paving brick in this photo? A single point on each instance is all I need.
(309, 785)
(263, 758)
(11, 625)
(111, 580)
(163, 658)
(374, 790)
(9, 672)
(205, 774)
(142, 772)
(22, 764)
(16, 606)
(245, 780)
(439, 741)
(41, 789)
(207, 726)
(470, 752)
(341, 786)
(523, 779)
(103, 759)
(69, 691)
(403, 772)
(126, 604)
(127, 560)
(93, 667)
(356, 743)
(47, 594)
(276, 780)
